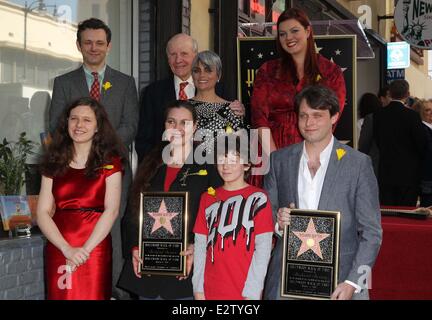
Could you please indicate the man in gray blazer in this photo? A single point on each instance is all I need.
(117, 93)
(321, 173)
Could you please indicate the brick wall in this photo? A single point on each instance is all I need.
(147, 38)
(22, 269)
(146, 43)
(186, 16)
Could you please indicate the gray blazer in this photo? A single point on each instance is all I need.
(350, 187)
(120, 101)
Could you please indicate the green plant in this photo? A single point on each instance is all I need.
(13, 156)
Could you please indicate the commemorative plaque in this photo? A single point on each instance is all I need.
(311, 254)
(163, 225)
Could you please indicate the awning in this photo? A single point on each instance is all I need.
(341, 27)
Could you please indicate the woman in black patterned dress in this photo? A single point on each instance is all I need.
(216, 116)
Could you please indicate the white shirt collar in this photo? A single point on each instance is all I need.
(429, 125)
(177, 81)
(189, 89)
(324, 155)
(403, 102)
(309, 188)
(100, 72)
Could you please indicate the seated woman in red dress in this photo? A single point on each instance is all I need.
(81, 176)
(278, 81)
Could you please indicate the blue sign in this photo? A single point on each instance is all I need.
(398, 55)
(395, 74)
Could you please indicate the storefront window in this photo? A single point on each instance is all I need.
(256, 15)
(257, 10)
(37, 43)
(277, 8)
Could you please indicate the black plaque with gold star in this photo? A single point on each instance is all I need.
(341, 49)
(311, 254)
(163, 223)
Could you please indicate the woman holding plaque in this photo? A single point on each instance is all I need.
(278, 81)
(81, 179)
(162, 171)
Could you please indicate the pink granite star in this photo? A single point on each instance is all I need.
(163, 218)
(310, 239)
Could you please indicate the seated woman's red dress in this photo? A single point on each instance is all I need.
(79, 205)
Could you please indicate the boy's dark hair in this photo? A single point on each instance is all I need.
(93, 23)
(399, 89)
(318, 97)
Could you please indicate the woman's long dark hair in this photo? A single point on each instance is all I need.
(153, 161)
(369, 103)
(105, 145)
(311, 69)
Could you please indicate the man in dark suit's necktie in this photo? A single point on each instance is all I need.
(95, 88)
(182, 93)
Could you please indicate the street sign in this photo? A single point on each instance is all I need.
(398, 55)
(395, 74)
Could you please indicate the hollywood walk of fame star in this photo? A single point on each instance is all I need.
(343, 69)
(310, 239)
(163, 218)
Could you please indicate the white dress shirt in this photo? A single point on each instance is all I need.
(189, 89)
(309, 189)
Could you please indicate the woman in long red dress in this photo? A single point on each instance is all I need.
(82, 172)
(278, 81)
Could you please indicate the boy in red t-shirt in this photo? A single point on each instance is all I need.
(233, 235)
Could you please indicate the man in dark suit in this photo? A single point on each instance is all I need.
(323, 174)
(426, 183)
(401, 141)
(181, 51)
(117, 93)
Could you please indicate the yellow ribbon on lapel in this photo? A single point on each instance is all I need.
(340, 153)
(107, 85)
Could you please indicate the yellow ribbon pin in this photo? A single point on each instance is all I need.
(211, 191)
(202, 172)
(229, 129)
(340, 153)
(107, 85)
